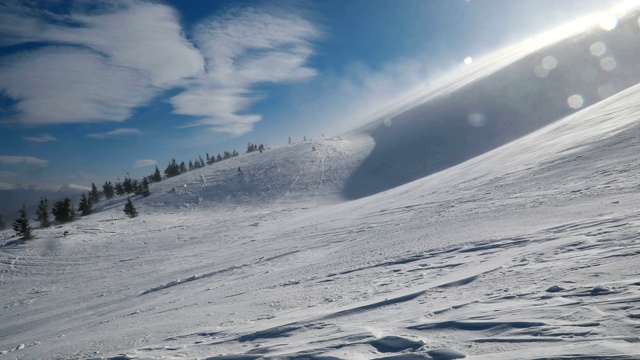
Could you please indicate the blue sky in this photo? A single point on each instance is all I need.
(91, 91)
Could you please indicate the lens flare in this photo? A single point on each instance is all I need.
(540, 71)
(598, 48)
(476, 119)
(608, 63)
(606, 90)
(575, 101)
(608, 22)
(468, 60)
(388, 121)
(549, 62)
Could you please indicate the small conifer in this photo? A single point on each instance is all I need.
(42, 213)
(21, 225)
(129, 209)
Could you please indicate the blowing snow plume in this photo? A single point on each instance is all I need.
(474, 114)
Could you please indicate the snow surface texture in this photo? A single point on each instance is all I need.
(528, 251)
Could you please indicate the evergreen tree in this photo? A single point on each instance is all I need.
(261, 148)
(190, 165)
(2, 224)
(201, 162)
(94, 195)
(128, 185)
(129, 209)
(85, 205)
(119, 189)
(156, 175)
(183, 168)
(108, 190)
(21, 225)
(144, 188)
(42, 213)
(219, 158)
(172, 169)
(136, 187)
(208, 159)
(63, 211)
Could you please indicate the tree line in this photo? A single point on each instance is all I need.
(63, 211)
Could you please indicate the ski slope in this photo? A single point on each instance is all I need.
(522, 247)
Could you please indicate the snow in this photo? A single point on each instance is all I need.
(522, 246)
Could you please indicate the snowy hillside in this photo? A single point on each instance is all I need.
(405, 239)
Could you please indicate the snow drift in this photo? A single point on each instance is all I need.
(527, 250)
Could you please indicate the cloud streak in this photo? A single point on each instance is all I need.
(27, 160)
(116, 133)
(244, 47)
(144, 163)
(99, 69)
(40, 138)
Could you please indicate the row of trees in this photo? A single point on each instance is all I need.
(62, 211)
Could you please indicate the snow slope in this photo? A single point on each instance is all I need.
(527, 251)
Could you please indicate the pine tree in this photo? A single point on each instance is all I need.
(190, 165)
(2, 224)
(85, 205)
(42, 214)
(95, 194)
(144, 188)
(129, 209)
(63, 211)
(108, 190)
(183, 168)
(119, 189)
(127, 184)
(21, 224)
(156, 175)
(219, 158)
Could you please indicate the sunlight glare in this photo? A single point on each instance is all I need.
(598, 48)
(608, 22)
(575, 101)
(468, 60)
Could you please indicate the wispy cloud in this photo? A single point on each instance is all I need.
(244, 47)
(41, 138)
(78, 187)
(116, 133)
(102, 65)
(144, 163)
(7, 174)
(7, 186)
(28, 160)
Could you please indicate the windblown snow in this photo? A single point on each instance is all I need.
(491, 217)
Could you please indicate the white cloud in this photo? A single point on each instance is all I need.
(115, 61)
(116, 133)
(144, 163)
(78, 187)
(7, 186)
(7, 174)
(244, 47)
(28, 160)
(41, 138)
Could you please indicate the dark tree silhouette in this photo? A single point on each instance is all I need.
(94, 195)
(108, 190)
(21, 224)
(129, 209)
(63, 212)
(42, 213)
(84, 206)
